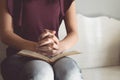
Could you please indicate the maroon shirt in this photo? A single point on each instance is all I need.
(31, 17)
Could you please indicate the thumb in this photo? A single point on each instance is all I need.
(53, 32)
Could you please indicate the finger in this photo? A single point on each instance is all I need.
(51, 31)
(55, 46)
(47, 49)
(44, 48)
(45, 42)
(51, 53)
(55, 53)
(50, 44)
(55, 39)
(47, 33)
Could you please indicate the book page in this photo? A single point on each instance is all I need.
(63, 55)
(29, 53)
(36, 55)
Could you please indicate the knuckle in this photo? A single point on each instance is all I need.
(49, 48)
(48, 39)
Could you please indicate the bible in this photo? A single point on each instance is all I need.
(36, 55)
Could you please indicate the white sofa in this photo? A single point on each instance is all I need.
(99, 45)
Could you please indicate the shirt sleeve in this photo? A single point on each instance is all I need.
(65, 5)
(13, 6)
(9, 6)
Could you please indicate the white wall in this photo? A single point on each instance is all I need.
(109, 8)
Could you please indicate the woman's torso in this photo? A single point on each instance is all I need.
(31, 17)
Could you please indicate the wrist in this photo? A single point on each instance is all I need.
(62, 46)
(30, 45)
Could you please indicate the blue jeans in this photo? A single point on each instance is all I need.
(17, 67)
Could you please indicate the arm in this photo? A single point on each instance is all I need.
(72, 33)
(7, 33)
(71, 27)
(44, 44)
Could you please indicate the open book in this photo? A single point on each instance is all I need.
(36, 55)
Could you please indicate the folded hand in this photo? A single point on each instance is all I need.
(48, 43)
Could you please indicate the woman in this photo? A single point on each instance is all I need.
(33, 25)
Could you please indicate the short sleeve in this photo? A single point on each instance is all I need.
(9, 6)
(65, 4)
(13, 6)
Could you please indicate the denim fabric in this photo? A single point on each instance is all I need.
(22, 68)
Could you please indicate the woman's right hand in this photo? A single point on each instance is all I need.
(48, 43)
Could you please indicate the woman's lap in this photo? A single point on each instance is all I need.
(11, 67)
(21, 68)
(67, 69)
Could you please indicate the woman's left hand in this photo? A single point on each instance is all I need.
(48, 43)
